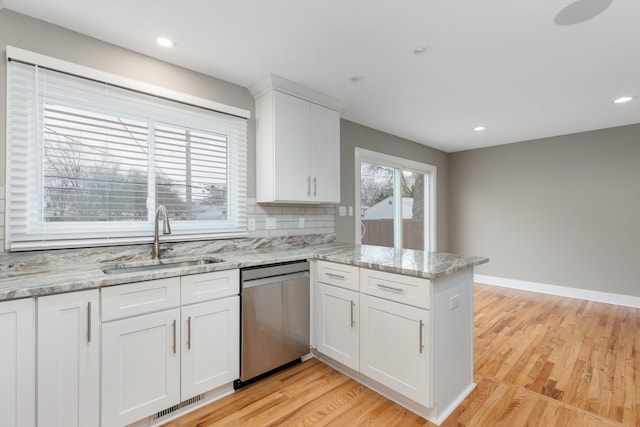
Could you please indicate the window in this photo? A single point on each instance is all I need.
(397, 201)
(88, 162)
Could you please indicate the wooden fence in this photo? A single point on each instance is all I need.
(380, 232)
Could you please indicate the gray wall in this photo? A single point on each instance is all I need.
(562, 211)
(31, 34)
(354, 135)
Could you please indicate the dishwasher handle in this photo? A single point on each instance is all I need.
(273, 279)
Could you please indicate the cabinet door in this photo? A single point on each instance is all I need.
(17, 364)
(291, 135)
(324, 152)
(69, 360)
(140, 366)
(210, 345)
(338, 325)
(394, 347)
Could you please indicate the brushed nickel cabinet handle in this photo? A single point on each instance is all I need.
(309, 186)
(189, 333)
(352, 320)
(315, 186)
(335, 276)
(174, 336)
(421, 344)
(89, 321)
(389, 288)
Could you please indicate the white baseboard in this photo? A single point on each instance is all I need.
(563, 291)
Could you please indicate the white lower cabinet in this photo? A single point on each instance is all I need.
(394, 349)
(415, 335)
(69, 360)
(157, 353)
(17, 363)
(338, 324)
(210, 345)
(140, 366)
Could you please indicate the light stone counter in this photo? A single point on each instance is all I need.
(48, 272)
(428, 265)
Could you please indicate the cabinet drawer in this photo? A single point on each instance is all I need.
(345, 276)
(209, 286)
(396, 287)
(139, 298)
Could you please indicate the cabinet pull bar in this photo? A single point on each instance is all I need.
(335, 276)
(189, 333)
(315, 186)
(309, 186)
(174, 336)
(389, 288)
(352, 320)
(89, 321)
(421, 344)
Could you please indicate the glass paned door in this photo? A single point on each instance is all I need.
(413, 207)
(396, 202)
(377, 204)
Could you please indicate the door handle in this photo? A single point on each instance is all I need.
(315, 186)
(421, 343)
(309, 186)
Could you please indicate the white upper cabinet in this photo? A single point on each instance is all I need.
(324, 151)
(298, 144)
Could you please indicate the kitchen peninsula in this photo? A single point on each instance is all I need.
(409, 313)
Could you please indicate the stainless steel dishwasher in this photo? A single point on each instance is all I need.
(275, 318)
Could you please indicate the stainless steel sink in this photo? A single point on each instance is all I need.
(157, 265)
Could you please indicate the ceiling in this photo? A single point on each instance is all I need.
(503, 64)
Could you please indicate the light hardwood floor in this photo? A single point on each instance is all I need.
(540, 360)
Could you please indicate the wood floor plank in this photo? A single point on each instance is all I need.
(540, 360)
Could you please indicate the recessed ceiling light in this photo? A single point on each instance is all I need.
(421, 50)
(623, 99)
(165, 42)
(479, 128)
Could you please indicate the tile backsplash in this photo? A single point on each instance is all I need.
(317, 219)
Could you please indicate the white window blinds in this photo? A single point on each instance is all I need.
(88, 161)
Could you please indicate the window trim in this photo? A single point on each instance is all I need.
(20, 55)
(362, 154)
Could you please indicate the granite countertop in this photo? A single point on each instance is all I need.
(73, 270)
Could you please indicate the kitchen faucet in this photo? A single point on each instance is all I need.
(166, 229)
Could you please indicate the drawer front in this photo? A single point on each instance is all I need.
(344, 276)
(396, 287)
(209, 286)
(140, 298)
